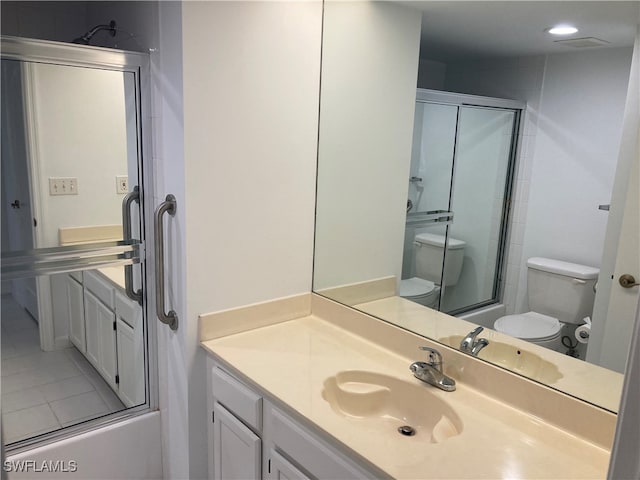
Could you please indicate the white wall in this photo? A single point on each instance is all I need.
(366, 120)
(90, 144)
(251, 73)
(60, 21)
(431, 74)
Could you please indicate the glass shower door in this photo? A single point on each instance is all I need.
(428, 204)
(484, 150)
(74, 347)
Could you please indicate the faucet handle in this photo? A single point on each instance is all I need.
(435, 357)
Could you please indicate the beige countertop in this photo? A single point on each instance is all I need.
(291, 360)
(114, 274)
(590, 382)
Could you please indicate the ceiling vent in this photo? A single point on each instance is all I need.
(586, 42)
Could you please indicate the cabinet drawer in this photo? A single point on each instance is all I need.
(102, 289)
(237, 398)
(311, 454)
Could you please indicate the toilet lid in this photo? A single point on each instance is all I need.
(528, 326)
(415, 287)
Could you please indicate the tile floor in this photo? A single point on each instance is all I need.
(45, 391)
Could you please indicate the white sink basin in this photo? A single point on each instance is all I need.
(514, 358)
(385, 403)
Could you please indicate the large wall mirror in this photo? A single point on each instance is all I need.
(74, 347)
(470, 187)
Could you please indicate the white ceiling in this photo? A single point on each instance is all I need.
(461, 30)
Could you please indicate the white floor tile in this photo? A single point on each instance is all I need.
(28, 422)
(66, 388)
(110, 398)
(26, 398)
(79, 407)
(32, 360)
(8, 351)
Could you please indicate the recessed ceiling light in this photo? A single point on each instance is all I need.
(562, 30)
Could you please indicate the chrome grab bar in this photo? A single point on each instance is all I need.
(426, 218)
(129, 198)
(168, 206)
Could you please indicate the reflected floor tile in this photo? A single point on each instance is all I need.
(66, 388)
(33, 360)
(26, 398)
(39, 376)
(79, 407)
(29, 422)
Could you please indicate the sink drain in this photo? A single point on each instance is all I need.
(407, 430)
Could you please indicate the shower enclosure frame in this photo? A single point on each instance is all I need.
(138, 64)
(460, 100)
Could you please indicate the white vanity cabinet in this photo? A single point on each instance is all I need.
(251, 438)
(106, 326)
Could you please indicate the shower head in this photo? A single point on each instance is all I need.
(84, 39)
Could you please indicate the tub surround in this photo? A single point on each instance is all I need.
(512, 427)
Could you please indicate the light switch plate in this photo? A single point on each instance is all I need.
(122, 184)
(63, 186)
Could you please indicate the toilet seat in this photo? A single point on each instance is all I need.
(531, 326)
(416, 287)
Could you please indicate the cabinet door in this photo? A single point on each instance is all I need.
(75, 307)
(281, 469)
(101, 337)
(237, 450)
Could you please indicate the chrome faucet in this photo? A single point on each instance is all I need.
(431, 371)
(472, 346)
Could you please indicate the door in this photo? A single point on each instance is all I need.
(615, 307)
(16, 181)
(75, 305)
(129, 340)
(100, 323)
(237, 453)
(281, 469)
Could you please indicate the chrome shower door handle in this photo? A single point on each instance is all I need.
(168, 206)
(129, 198)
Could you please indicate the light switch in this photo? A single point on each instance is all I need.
(63, 186)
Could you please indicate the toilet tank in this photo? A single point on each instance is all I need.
(429, 250)
(561, 289)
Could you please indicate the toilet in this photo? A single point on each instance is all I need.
(424, 288)
(420, 291)
(560, 294)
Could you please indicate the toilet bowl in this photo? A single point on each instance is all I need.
(533, 327)
(560, 295)
(420, 291)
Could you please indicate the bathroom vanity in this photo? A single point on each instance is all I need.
(308, 388)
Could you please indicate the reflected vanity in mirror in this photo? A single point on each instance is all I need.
(73, 339)
(452, 196)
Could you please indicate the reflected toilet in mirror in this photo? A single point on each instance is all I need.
(428, 253)
(561, 296)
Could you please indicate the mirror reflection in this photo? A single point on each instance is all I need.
(72, 343)
(464, 184)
